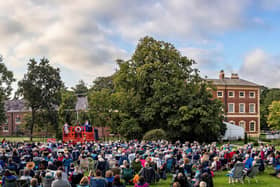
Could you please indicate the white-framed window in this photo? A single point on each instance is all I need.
(252, 126)
(7, 121)
(231, 108)
(241, 94)
(242, 124)
(241, 108)
(219, 93)
(231, 94)
(5, 128)
(252, 94)
(17, 120)
(232, 122)
(252, 107)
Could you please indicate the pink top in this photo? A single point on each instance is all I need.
(144, 185)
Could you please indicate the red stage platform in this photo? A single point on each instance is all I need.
(78, 134)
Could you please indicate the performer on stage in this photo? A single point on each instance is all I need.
(66, 128)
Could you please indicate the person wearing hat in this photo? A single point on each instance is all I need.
(30, 166)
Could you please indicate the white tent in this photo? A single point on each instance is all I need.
(233, 132)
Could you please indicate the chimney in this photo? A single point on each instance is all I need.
(222, 74)
(234, 76)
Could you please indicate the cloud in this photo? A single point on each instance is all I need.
(270, 4)
(208, 61)
(261, 68)
(84, 36)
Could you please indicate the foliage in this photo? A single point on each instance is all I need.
(267, 97)
(158, 87)
(103, 83)
(42, 117)
(274, 115)
(80, 89)
(155, 134)
(41, 88)
(6, 79)
(100, 107)
(66, 110)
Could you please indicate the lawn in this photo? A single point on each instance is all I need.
(221, 180)
(24, 138)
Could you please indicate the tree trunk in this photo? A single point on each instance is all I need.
(32, 124)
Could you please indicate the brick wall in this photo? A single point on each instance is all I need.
(236, 116)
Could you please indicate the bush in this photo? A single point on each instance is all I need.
(155, 134)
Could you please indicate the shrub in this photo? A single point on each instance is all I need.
(155, 134)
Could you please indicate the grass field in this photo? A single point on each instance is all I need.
(24, 138)
(221, 180)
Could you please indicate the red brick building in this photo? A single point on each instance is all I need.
(15, 110)
(241, 101)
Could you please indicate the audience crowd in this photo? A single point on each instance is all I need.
(120, 163)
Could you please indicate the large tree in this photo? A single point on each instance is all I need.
(273, 119)
(80, 89)
(103, 82)
(67, 113)
(6, 79)
(267, 97)
(159, 88)
(41, 88)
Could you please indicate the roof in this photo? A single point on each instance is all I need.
(19, 105)
(16, 105)
(82, 103)
(232, 82)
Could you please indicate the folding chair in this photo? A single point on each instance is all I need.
(238, 173)
(253, 173)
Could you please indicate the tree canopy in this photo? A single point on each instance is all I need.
(41, 88)
(6, 79)
(159, 88)
(274, 115)
(267, 97)
(80, 89)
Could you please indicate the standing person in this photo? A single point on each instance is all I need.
(66, 128)
(59, 182)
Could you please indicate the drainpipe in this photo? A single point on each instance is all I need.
(226, 102)
(12, 117)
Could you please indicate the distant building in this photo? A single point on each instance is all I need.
(241, 101)
(16, 109)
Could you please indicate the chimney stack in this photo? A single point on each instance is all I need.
(222, 74)
(234, 76)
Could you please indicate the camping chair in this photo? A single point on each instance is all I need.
(237, 173)
(91, 163)
(253, 173)
(84, 164)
